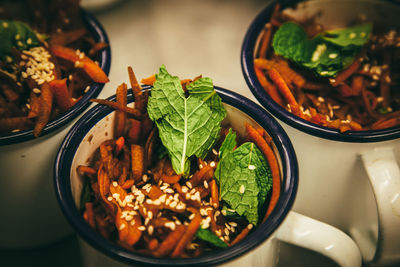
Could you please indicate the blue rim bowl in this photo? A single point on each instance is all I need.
(99, 34)
(76, 135)
(247, 57)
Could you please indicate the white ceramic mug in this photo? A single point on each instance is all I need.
(260, 246)
(30, 215)
(348, 180)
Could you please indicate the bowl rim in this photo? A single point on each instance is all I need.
(100, 35)
(246, 58)
(66, 153)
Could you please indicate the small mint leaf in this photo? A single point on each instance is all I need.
(210, 237)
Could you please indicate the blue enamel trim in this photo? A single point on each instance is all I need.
(100, 35)
(288, 191)
(247, 57)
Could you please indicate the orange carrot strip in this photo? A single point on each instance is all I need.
(214, 194)
(134, 131)
(91, 68)
(153, 244)
(120, 116)
(149, 80)
(170, 179)
(120, 142)
(128, 184)
(170, 242)
(273, 164)
(282, 86)
(213, 223)
(87, 170)
(35, 106)
(265, 41)
(205, 173)
(346, 73)
(242, 235)
(60, 91)
(90, 214)
(46, 103)
(268, 87)
(188, 235)
(137, 91)
(137, 156)
(131, 111)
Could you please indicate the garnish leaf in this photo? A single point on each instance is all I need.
(357, 35)
(245, 180)
(15, 34)
(210, 237)
(327, 53)
(188, 125)
(228, 144)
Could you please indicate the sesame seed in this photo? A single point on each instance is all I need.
(150, 215)
(146, 221)
(81, 55)
(122, 226)
(133, 222)
(70, 77)
(189, 184)
(109, 198)
(115, 184)
(150, 229)
(164, 187)
(86, 90)
(184, 189)
(333, 56)
(352, 35)
(223, 212)
(36, 90)
(149, 201)
(28, 106)
(191, 217)
(226, 238)
(241, 189)
(233, 224)
(215, 152)
(141, 228)
(29, 41)
(170, 225)
(201, 166)
(144, 177)
(212, 164)
(181, 206)
(169, 190)
(157, 202)
(205, 184)
(9, 59)
(226, 231)
(222, 238)
(19, 43)
(5, 24)
(129, 218)
(173, 204)
(321, 99)
(252, 167)
(250, 226)
(375, 77)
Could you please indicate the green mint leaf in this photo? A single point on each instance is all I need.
(357, 35)
(188, 125)
(86, 195)
(15, 34)
(245, 180)
(327, 53)
(228, 144)
(210, 237)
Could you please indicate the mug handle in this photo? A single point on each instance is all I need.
(384, 175)
(320, 237)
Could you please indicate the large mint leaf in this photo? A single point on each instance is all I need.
(245, 180)
(327, 53)
(228, 144)
(15, 34)
(210, 237)
(188, 125)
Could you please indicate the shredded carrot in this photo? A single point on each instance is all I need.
(346, 73)
(265, 40)
(268, 87)
(90, 214)
(242, 235)
(170, 242)
(120, 142)
(272, 162)
(46, 103)
(120, 116)
(137, 155)
(189, 234)
(149, 80)
(131, 111)
(214, 194)
(282, 86)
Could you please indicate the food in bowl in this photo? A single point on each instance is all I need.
(47, 61)
(341, 78)
(174, 181)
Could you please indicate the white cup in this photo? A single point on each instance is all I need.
(258, 249)
(30, 215)
(348, 180)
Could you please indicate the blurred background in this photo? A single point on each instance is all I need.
(191, 38)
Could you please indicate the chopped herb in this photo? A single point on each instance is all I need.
(210, 237)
